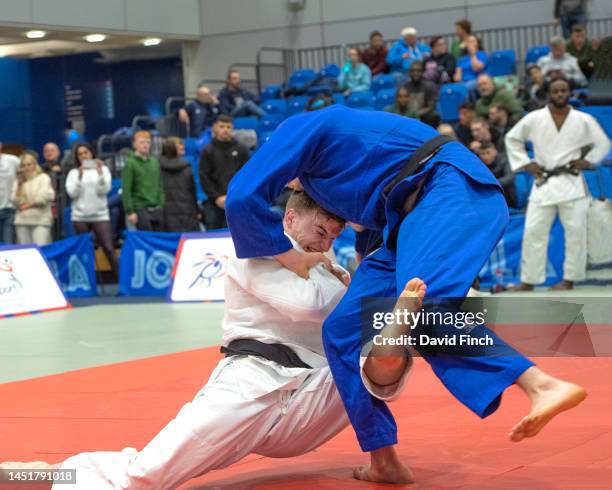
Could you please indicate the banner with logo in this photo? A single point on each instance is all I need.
(146, 262)
(200, 267)
(72, 262)
(27, 284)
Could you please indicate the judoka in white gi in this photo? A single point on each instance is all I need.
(559, 134)
(250, 404)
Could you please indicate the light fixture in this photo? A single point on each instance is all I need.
(35, 34)
(151, 41)
(95, 38)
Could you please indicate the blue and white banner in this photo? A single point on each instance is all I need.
(146, 262)
(72, 262)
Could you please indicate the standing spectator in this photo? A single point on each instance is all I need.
(8, 170)
(472, 64)
(142, 187)
(499, 166)
(200, 114)
(482, 132)
(375, 55)
(499, 119)
(492, 95)
(52, 157)
(32, 195)
(220, 161)
(583, 49)
(463, 29)
(463, 128)
(560, 64)
(568, 13)
(402, 104)
(52, 166)
(559, 135)
(440, 66)
(535, 91)
(423, 95)
(87, 184)
(405, 51)
(181, 205)
(354, 75)
(237, 102)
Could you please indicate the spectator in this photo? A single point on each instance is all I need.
(535, 92)
(472, 64)
(583, 49)
(499, 119)
(440, 66)
(447, 130)
(568, 13)
(405, 51)
(492, 95)
(52, 166)
(482, 132)
(142, 187)
(200, 114)
(602, 60)
(423, 95)
(560, 64)
(181, 204)
(32, 195)
(402, 104)
(375, 55)
(463, 128)
(237, 102)
(354, 75)
(499, 166)
(8, 171)
(52, 156)
(220, 161)
(463, 29)
(87, 184)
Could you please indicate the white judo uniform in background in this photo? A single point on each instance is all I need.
(250, 404)
(565, 194)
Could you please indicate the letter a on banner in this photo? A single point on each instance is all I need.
(27, 284)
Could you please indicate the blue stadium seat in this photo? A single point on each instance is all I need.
(192, 147)
(361, 100)
(267, 124)
(300, 80)
(275, 106)
(248, 122)
(384, 98)
(523, 182)
(297, 104)
(319, 89)
(502, 63)
(534, 53)
(271, 92)
(452, 95)
(329, 71)
(339, 99)
(263, 137)
(603, 114)
(382, 82)
(593, 180)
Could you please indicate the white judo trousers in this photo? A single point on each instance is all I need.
(226, 421)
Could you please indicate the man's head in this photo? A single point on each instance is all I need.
(480, 130)
(486, 86)
(376, 40)
(535, 73)
(578, 36)
(223, 128)
(557, 47)
(233, 79)
(463, 28)
(446, 130)
(559, 93)
(203, 94)
(51, 152)
(487, 153)
(409, 34)
(437, 45)
(310, 225)
(402, 97)
(498, 115)
(416, 71)
(466, 113)
(142, 143)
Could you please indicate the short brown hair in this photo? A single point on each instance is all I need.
(486, 145)
(465, 24)
(141, 134)
(224, 118)
(300, 201)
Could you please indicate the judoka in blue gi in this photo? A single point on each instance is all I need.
(444, 220)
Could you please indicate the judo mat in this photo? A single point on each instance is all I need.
(109, 376)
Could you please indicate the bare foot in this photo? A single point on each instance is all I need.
(548, 400)
(415, 288)
(385, 467)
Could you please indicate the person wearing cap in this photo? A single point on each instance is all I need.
(560, 63)
(406, 50)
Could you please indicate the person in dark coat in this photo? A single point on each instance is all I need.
(181, 206)
(499, 166)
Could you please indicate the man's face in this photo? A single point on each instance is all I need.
(488, 155)
(312, 229)
(410, 40)
(536, 75)
(557, 50)
(402, 98)
(466, 116)
(497, 116)
(480, 132)
(559, 94)
(142, 145)
(485, 85)
(203, 95)
(376, 42)
(578, 38)
(415, 72)
(234, 80)
(223, 130)
(51, 152)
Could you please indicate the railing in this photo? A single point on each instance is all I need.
(274, 65)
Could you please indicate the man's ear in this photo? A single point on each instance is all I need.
(289, 216)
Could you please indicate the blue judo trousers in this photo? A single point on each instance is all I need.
(344, 159)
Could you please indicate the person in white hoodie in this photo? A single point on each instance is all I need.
(87, 184)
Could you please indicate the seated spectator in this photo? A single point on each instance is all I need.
(237, 102)
(560, 64)
(87, 184)
(200, 114)
(534, 95)
(499, 166)
(181, 204)
(32, 195)
(375, 55)
(8, 172)
(583, 49)
(142, 187)
(405, 51)
(440, 66)
(463, 29)
(354, 75)
(569, 13)
(472, 64)
(446, 130)
(482, 132)
(219, 162)
(499, 119)
(402, 104)
(463, 128)
(602, 60)
(492, 95)
(423, 95)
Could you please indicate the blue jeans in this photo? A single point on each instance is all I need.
(7, 230)
(248, 108)
(570, 19)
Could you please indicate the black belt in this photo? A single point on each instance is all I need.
(547, 174)
(279, 353)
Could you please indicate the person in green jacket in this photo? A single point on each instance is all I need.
(142, 187)
(492, 95)
(402, 104)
